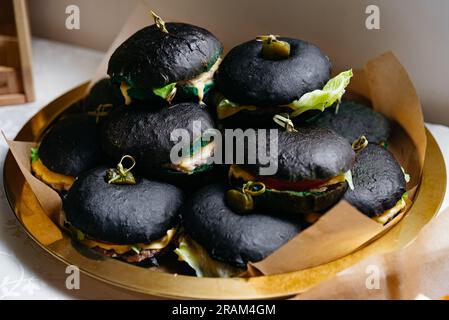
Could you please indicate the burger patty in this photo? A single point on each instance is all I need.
(131, 256)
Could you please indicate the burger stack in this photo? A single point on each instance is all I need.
(111, 156)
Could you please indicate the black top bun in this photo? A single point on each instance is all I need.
(379, 182)
(245, 77)
(103, 92)
(353, 120)
(122, 214)
(72, 146)
(310, 153)
(145, 134)
(151, 58)
(230, 237)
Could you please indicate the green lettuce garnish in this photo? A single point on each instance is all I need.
(321, 99)
(199, 260)
(227, 103)
(406, 175)
(136, 249)
(348, 178)
(34, 154)
(164, 92)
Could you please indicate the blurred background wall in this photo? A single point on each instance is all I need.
(416, 31)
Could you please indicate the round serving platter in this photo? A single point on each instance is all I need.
(426, 204)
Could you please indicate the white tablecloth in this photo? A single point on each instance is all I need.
(26, 271)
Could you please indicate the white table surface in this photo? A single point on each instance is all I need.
(26, 271)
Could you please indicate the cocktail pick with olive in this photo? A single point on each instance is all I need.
(241, 200)
(359, 144)
(120, 175)
(273, 48)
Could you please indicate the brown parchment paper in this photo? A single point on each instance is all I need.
(343, 228)
(402, 274)
(40, 211)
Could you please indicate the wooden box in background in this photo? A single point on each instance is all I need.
(16, 80)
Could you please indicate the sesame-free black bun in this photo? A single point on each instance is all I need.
(230, 237)
(151, 58)
(379, 182)
(72, 145)
(102, 92)
(354, 120)
(247, 78)
(145, 134)
(310, 153)
(122, 214)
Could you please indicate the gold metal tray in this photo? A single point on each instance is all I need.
(427, 202)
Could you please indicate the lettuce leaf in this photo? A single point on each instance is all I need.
(34, 154)
(199, 260)
(164, 92)
(321, 99)
(348, 178)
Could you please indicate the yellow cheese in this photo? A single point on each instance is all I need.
(55, 180)
(124, 89)
(391, 213)
(236, 172)
(190, 163)
(200, 81)
(123, 248)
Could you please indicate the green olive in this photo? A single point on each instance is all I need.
(239, 202)
(275, 50)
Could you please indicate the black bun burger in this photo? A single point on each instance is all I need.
(219, 242)
(379, 184)
(313, 171)
(134, 222)
(146, 135)
(353, 120)
(164, 61)
(71, 147)
(270, 75)
(102, 93)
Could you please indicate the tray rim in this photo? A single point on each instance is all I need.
(261, 287)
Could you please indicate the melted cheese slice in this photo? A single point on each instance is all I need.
(55, 180)
(200, 81)
(238, 173)
(390, 213)
(188, 164)
(124, 89)
(123, 248)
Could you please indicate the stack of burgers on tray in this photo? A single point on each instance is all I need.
(110, 155)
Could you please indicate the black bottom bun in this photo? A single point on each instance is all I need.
(230, 237)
